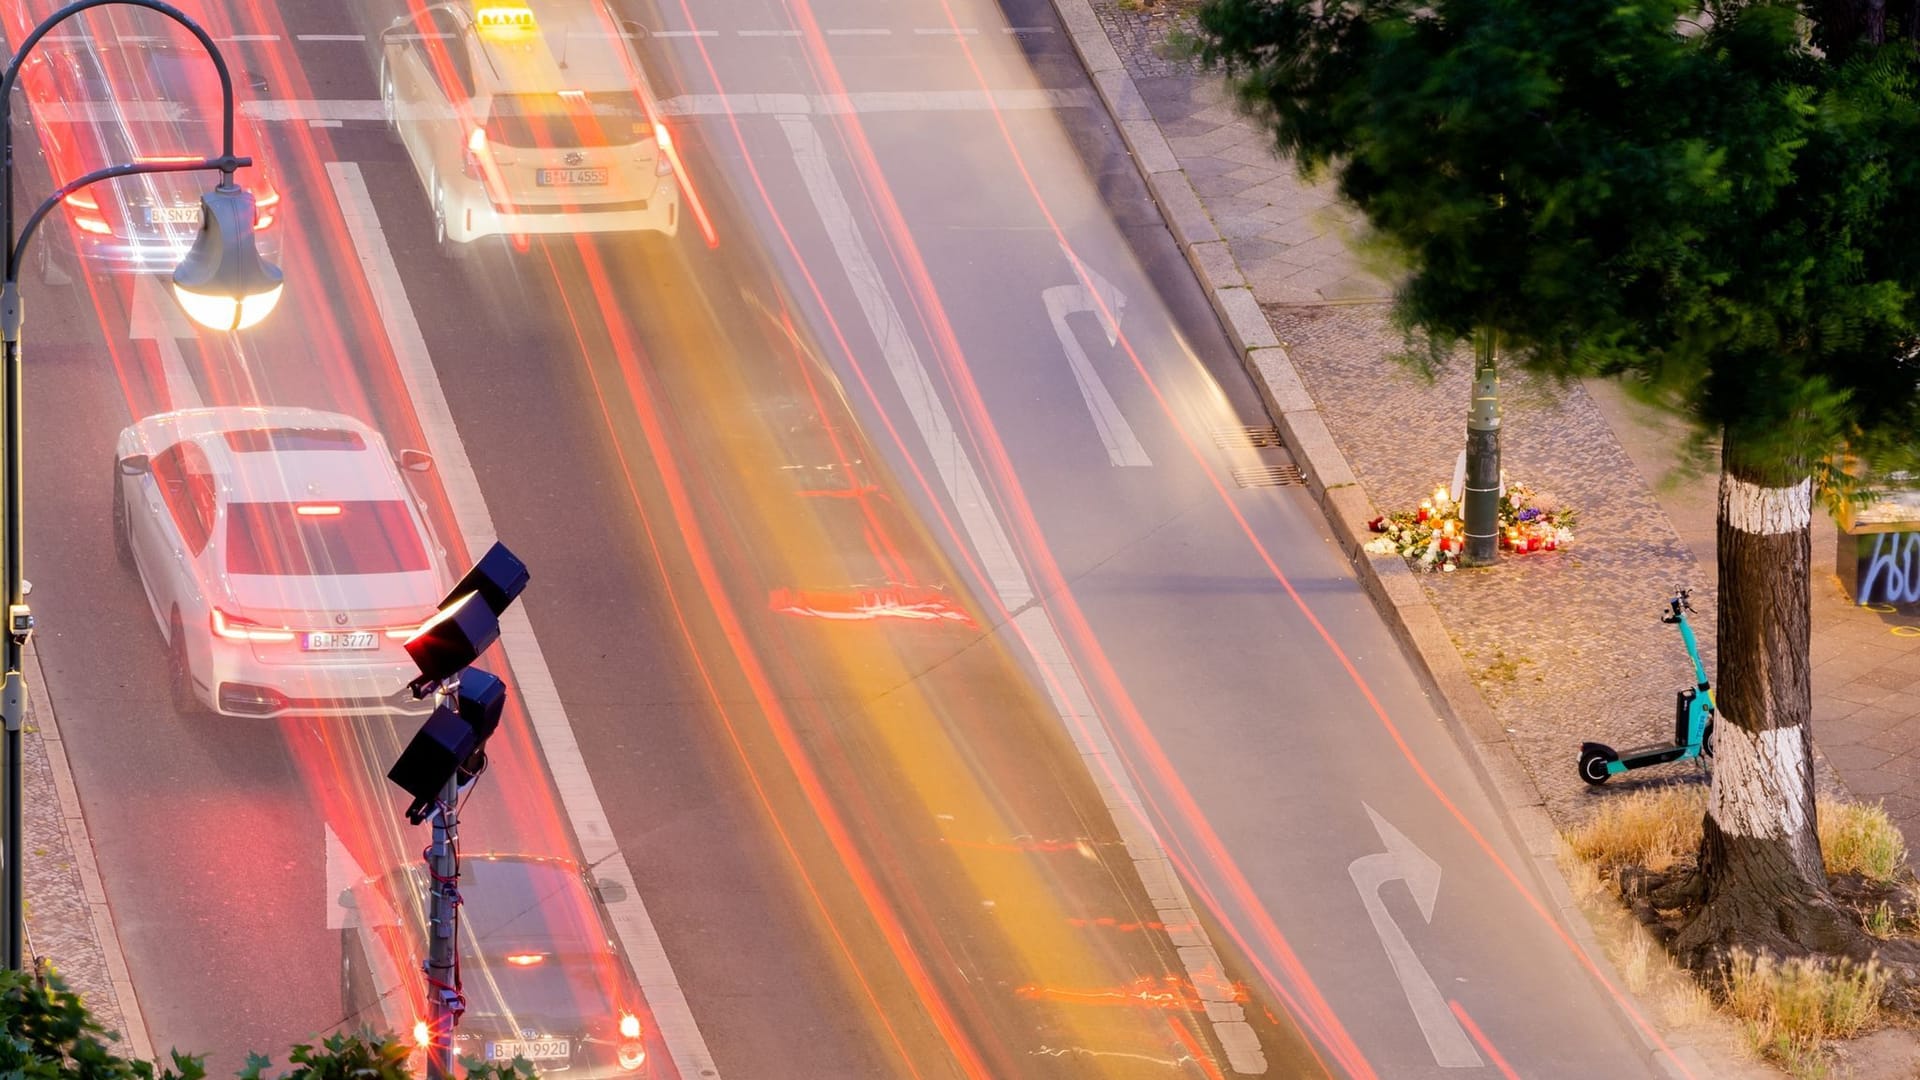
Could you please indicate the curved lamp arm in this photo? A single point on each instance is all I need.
(226, 162)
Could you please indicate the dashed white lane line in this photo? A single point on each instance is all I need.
(768, 33)
(1009, 580)
(331, 37)
(328, 111)
(685, 33)
(248, 37)
(944, 31)
(859, 31)
(156, 318)
(533, 681)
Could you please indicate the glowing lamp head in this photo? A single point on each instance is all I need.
(223, 283)
(526, 959)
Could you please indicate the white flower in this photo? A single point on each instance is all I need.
(1448, 568)
(1382, 546)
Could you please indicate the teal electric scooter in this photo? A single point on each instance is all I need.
(1692, 716)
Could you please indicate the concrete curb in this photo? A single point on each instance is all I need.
(119, 977)
(1388, 580)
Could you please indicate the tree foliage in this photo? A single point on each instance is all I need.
(49, 1035)
(1704, 201)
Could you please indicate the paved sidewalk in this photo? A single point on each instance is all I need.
(1542, 652)
(69, 926)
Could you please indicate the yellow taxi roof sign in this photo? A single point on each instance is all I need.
(505, 19)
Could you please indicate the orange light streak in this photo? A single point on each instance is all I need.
(1164, 992)
(688, 530)
(1315, 1014)
(1480, 1038)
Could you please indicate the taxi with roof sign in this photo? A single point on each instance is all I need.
(528, 119)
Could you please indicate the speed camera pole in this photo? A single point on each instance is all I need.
(444, 1000)
(443, 759)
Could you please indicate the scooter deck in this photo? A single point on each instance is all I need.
(1641, 757)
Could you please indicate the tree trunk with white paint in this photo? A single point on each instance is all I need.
(1762, 883)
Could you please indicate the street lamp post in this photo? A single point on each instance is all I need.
(222, 283)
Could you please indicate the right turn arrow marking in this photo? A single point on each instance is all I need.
(1406, 862)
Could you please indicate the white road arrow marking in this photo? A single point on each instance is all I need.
(343, 873)
(1123, 448)
(1402, 860)
(156, 318)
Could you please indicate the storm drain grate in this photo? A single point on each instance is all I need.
(1238, 437)
(1269, 476)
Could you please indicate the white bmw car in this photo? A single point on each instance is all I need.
(284, 555)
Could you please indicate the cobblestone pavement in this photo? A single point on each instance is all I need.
(61, 931)
(1563, 647)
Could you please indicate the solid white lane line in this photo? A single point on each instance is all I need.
(249, 37)
(533, 681)
(1123, 448)
(916, 387)
(1008, 579)
(1026, 30)
(330, 37)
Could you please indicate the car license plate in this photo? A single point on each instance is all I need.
(531, 1049)
(570, 177)
(173, 215)
(334, 640)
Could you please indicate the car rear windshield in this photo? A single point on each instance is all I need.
(262, 440)
(322, 539)
(546, 121)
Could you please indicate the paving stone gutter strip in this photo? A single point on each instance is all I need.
(1388, 579)
(69, 923)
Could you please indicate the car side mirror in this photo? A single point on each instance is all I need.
(135, 465)
(416, 461)
(609, 892)
(632, 29)
(348, 901)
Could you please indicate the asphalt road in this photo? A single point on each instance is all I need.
(943, 353)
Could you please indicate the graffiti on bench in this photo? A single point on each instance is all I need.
(1889, 568)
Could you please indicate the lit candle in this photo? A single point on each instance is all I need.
(1440, 496)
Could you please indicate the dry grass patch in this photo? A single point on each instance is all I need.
(1790, 1010)
(1654, 829)
(1860, 838)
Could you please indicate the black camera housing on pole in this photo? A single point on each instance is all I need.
(446, 755)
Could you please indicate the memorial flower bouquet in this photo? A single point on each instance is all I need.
(1432, 535)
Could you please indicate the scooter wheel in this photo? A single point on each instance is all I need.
(1593, 765)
